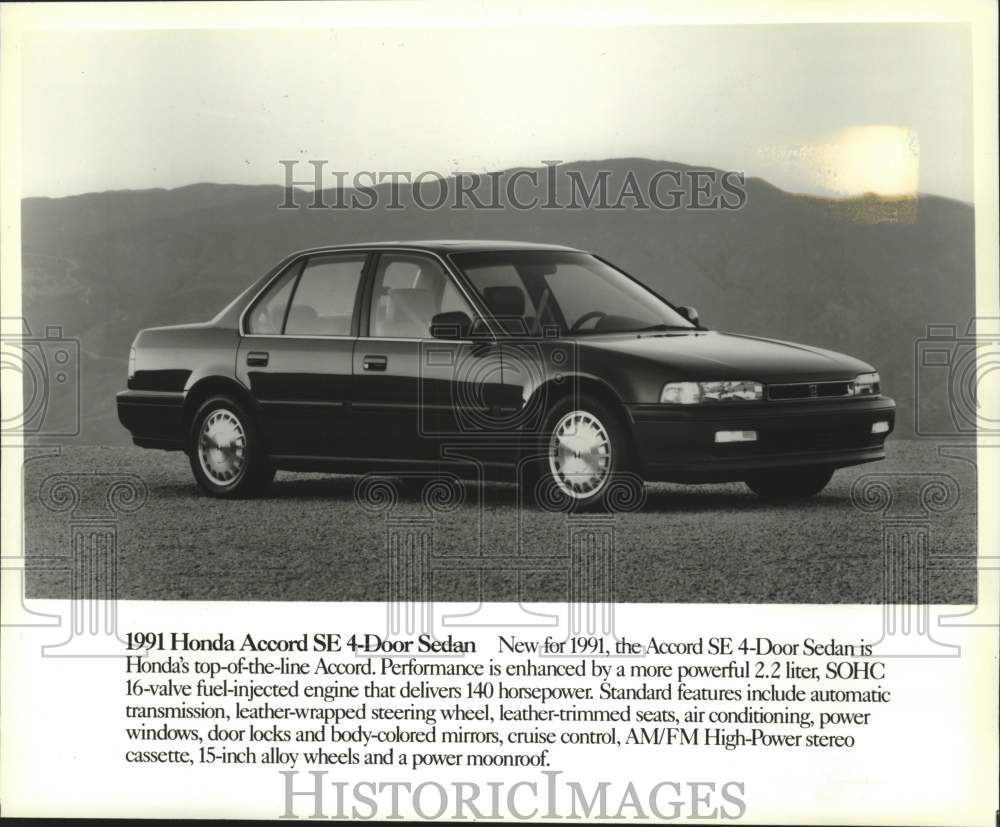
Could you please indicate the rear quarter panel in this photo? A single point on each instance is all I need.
(174, 359)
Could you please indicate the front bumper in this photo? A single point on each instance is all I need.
(677, 443)
(154, 418)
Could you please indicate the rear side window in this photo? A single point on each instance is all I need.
(323, 302)
(267, 318)
(322, 299)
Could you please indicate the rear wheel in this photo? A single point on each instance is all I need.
(225, 449)
(790, 484)
(583, 460)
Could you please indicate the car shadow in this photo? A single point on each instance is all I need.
(658, 498)
(693, 500)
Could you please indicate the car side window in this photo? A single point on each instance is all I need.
(409, 291)
(323, 302)
(504, 293)
(267, 317)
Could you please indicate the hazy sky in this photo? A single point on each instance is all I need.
(841, 108)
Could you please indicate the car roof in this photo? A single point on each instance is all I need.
(447, 246)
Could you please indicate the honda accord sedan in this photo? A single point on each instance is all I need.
(538, 364)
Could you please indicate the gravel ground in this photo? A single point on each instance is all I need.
(310, 539)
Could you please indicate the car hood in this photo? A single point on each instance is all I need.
(707, 355)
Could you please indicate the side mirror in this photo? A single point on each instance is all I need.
(454, 324)
(688, 313)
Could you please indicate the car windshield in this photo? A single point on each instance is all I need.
(548, 292)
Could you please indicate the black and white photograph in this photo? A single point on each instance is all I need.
(271, 335)
(437, 311)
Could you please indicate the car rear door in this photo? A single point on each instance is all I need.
(297, 350)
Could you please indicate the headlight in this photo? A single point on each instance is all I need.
(131, 362)
(692, 393)
(866, 384)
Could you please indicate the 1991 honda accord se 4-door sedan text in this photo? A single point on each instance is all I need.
(533, 363)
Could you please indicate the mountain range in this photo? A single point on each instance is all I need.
(866, 275)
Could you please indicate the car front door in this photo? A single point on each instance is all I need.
(418, 398)
(296, 354)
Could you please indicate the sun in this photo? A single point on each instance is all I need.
(870, 159)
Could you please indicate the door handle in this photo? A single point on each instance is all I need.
(257, 359)
(374, 363)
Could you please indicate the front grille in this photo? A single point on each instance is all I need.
(809, 390)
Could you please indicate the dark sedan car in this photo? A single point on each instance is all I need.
(539, 364)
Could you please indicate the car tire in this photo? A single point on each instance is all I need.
(790, 484)
(226, 451)
(583, 461)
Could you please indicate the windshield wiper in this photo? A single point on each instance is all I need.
(655, 328)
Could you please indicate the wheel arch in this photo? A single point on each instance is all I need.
(208, 387)
(553, 392)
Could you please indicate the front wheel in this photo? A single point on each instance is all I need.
(583, 460)
(225, 449)
(790, 484)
